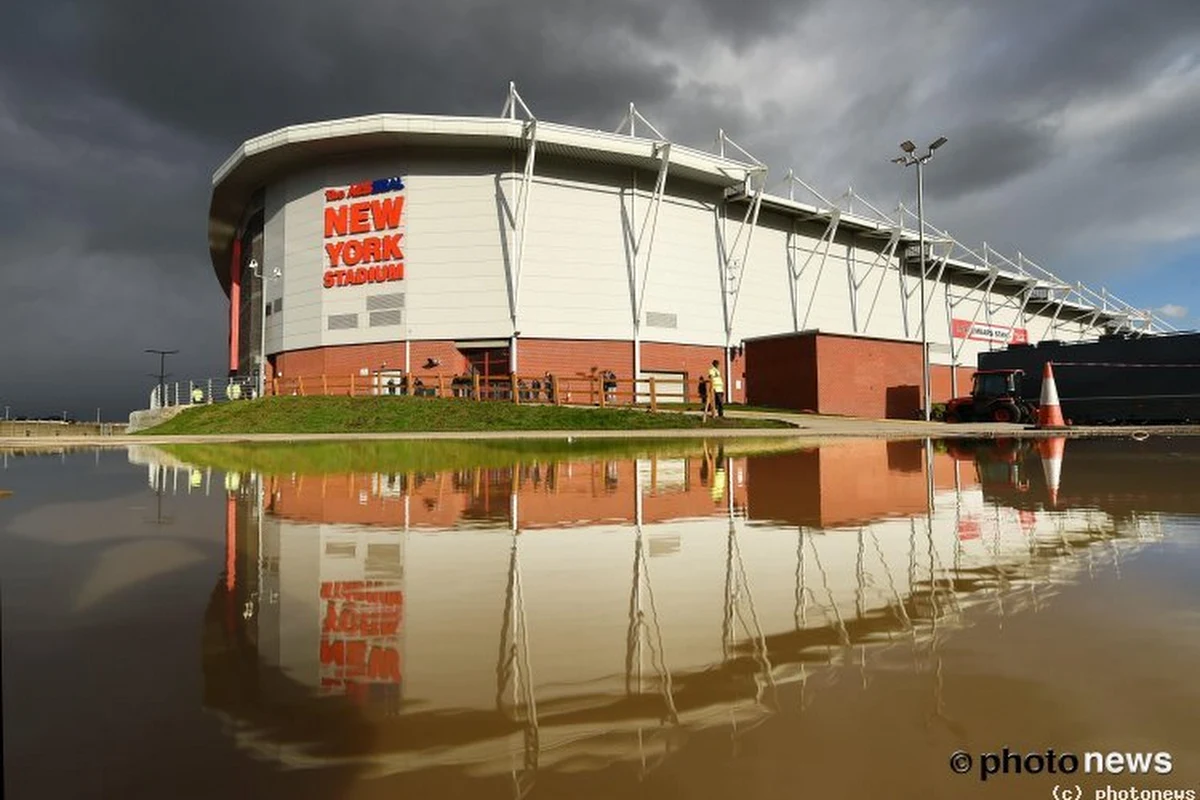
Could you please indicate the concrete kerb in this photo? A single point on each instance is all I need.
(806, 429)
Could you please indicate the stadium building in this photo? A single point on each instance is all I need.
(439, 245)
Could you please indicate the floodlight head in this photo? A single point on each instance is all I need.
(907, 146)
(941, 140)
(898, 160)
(253, 263)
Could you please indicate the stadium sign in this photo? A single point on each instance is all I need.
(980, 332)
(364, 233)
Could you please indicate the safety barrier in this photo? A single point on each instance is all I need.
(586, 390)
(577, 390)
(204, 391)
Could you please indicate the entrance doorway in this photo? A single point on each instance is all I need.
(489, 362)
(492, 365)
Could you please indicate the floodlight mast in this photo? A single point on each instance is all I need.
(908, 160)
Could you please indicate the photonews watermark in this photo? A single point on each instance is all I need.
(1052, 762)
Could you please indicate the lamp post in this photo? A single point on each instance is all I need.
(256, 268)
(907, 160)
(162, 373)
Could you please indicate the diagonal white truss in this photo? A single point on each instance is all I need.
(632, 118)
(514, 675)
(1025, 284)
(829, 212)
(518, 220)
(734, 256)
(644, 636)
(883, 259)
(639, 235)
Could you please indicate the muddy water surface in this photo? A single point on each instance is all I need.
(693, 620)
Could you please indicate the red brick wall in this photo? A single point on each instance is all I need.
(939, 382)
(863, 481)
(831, 374)
(868, 377)
(695, 360)
(345, 360)
(581, 492)
(842, 484)
(574, 358)
(785, 487)
(813, 372)
(783, 372)
(561, 357)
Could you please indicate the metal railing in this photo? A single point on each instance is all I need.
(585, 390)
(204, 391)
(577, 390)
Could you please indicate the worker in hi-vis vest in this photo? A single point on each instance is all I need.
(716, 385)
(234, 390)
(197, 395)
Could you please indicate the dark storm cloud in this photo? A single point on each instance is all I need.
(1044, 53)
(114, 114)
(989, 154)
(1173, 135)
(241, 69)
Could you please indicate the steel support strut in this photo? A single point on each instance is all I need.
(641, 244)
(518, 220)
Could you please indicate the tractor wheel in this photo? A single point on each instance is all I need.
(1005, 412)
(952, 417)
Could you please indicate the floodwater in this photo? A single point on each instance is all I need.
(691, 620)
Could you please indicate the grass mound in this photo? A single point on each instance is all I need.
(412, 414)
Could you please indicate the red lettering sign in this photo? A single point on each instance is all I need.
(968, 529)
(352, 256)
(360, 627)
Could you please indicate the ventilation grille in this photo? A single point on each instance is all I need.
(378, 302)
(659, 319)
(342, 322)
(341, 549)
(382, 318)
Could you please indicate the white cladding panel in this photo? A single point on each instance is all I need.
(459, 245)
(762, 305)
(455, 276)
(574, 280)
(684, 276)
(822, 288)
(878, 291)
(454, 280)
(273, 258)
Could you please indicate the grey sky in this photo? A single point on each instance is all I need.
(1072, 125)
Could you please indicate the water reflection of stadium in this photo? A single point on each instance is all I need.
(573, 614)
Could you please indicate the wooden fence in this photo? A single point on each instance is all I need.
(576, 390)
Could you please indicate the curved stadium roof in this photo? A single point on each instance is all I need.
(267, 158)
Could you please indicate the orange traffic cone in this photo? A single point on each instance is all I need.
(1051, 450)
(1049, 410)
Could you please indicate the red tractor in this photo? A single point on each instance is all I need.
(995, 397)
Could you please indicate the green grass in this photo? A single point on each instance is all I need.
(317, 458)
(400, 414)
